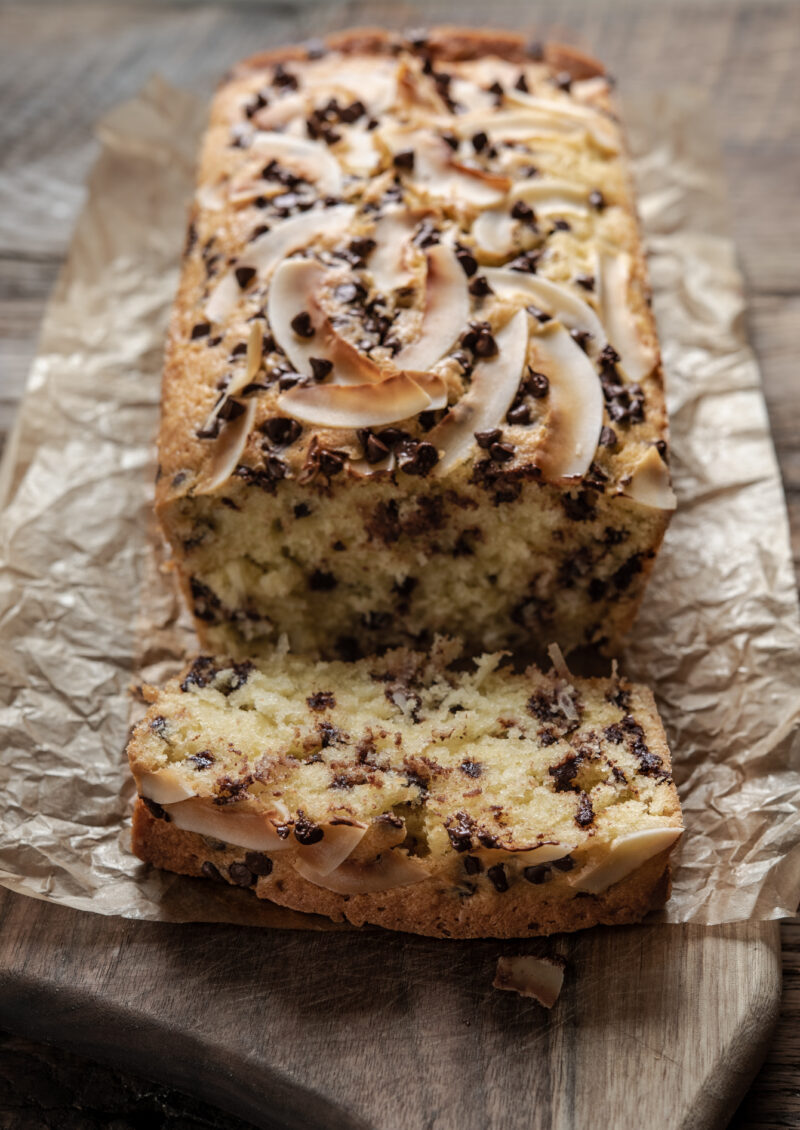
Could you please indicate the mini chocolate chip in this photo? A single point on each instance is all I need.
(479, 141)
(374, 449)
(202, 329)
(498, 878)
(302, 325)
(245, 275)
(565, 864)
(331, 462)
(501, 452)
(524, 212)
(472, 865)
(404, 159)
(471, 768)
(241, 875)
(210, 871)
(563, 80)
(350, 292)
(519, 414)
(258, 863)
(281, 430)
(496, 89)
(320, 367)
(321, 581)
(201, 760)
(231, 409)
(469, 264)
(522, 83)
(422, 460)
(536, 384)
(662, 449)
(527, 262)
(562, 225)
(480, 286)
(540, 315)
(485, 346)
(585, 814)
(156, 809)
(586, 281)
(486, 439)
(596, 199)
(538, 874)
(608, 437)
(581, 338)
(321, 700)
(450, 139)
(301, 510)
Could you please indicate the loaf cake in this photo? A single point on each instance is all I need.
(412, 382)
(420, 792)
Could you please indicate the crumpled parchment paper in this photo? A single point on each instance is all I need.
(85, 610)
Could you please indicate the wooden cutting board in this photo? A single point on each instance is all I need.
(657, 1026)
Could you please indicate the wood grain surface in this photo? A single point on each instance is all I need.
(63, 64)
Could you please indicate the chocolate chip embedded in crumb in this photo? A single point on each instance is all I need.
(421, 460)
(501, 452)
(519, 414)
(201, 760)
(596, 199)
(608, 437)
(562, 225)
(374, 449)
(498, 878)
(537, 874)
(321, 581)
(306, 831)
(258, 863)
(321, 700)
(245, 275)
(472, 865)
(302, 325)
(404, 160)
(156, 809)
(202, 329)
(565, 864)
(471, 768)
(241, 875)
(585, 814)
(210, 871)
(331, 462)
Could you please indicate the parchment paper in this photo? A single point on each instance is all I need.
(718, 636)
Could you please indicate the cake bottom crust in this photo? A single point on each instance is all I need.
(429, 908)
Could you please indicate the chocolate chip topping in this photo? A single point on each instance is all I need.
(244, 276)
(486, 439)
(480, 287)
(302, 325)
(498, 878)
(596, 199)
(281, 430)
(524, 212)
(202, 329)
(479, 141)
(320, 367)
(404, 160)
(420, 460)
(374, 448)
(608, 437)
(306, 831)
(469, 264)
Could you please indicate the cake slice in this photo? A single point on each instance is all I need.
(413, 383)
(417, 792)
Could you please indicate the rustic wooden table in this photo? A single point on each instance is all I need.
(62, 64)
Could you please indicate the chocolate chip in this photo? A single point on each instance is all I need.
(501, 452)
(469, 264)
(450, 139)
(360, 249)
(536, 384)
(331, 462)
(585, 814)
(459, 830)
(321, 581)
(471, 768)
(608, 437)
(352, 112)
(527, 262)
(498, 878)
(562, 225)
(202, 329)
(239, 350)
(662, 449)
(301, 510)
(563, 80)
(258, 863)
(496, 89)
(596, 199)
(201, 760)
(479, 141)
(259, 229)
(155, 809)
(321, 700)
(524, 212)
(538, 874)
(374, 449)
(302, 325)
(283, 78)
(540, 315)
(231, 409)
(421, 461)
(627, 571)
(306, 831)
(241, 875)
(320, 367)
(404, 160)
(519, 414)
(485, 346)
(426, 235)
(522, 83)
(486, 439)
(581, 338)
(472, 865)
(350, 292)
(245, 275)
(281, 430)
(586, 281)
(480, 287)
(208, 869)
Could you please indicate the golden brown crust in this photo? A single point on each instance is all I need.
(525, 911)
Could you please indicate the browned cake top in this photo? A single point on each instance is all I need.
(414, 256)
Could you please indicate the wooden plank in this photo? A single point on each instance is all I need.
(64, 64)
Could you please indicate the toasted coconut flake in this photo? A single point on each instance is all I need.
(439, 177)
(360, 155)
(493, 232)
(240, 823)
(295, 289)
(252, 362)
(527, 854)
(494, 385)
(389, 264)
(446, 311)
(357, 406)
(538, 977)
(338, 841)
(228, 448)
(626, 855)
(164, 786)
(575, 405)
(391, 869)
(650, 484)
(269, 249)
(569, 116)
(548, 195)
(637, 358)
(559, 662)
(309, 159)
(554, 298)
